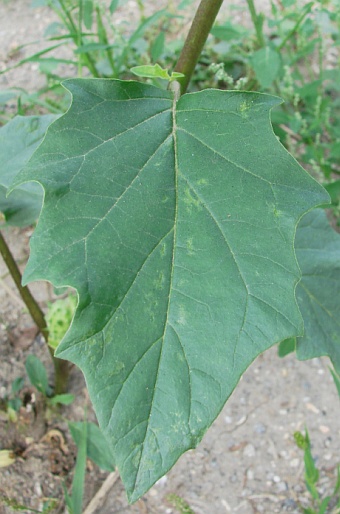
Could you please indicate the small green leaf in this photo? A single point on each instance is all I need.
(62, 399)
(17, 385)
(266, 63)
(155, 71)
(176, 75)
(300, 440)
(324, 504)
(180, 504)
(157, 46)
(5, 96)
(87, 13)
(333, 190)
(36, 372)
(98, 449)
(14, 404)
(228, 31)
(113, 6)
(93, 47)
(151, 71)
(311, 472)
(286, 347)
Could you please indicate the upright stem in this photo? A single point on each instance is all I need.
(258, 23)
(79, 42)
(304, 13)
(77, 37)
(61, 367)
(25, 293)
(195, 41)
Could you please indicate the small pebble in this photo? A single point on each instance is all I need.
(259, 428)
(281, 487)
(249, 451)
(276, 478)
(324, 429)
(289, 504)
(327, 442)
(294, 463)
(241, 421)
(312, 408)
(37, 489)
(226, 505)
(250, 474)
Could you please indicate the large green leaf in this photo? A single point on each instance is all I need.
(175, 223)
(318, 252)
(18, 140)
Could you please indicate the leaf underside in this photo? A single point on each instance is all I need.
(175, 223)
(317, 248)
(19, 138)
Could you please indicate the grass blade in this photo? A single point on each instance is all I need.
(79, 474)
(32, 58)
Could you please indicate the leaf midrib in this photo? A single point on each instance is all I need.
(166, 323)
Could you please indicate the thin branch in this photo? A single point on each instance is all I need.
(61, 367)
(30, 302)
(195, 41)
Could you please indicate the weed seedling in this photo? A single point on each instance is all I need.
(320, 505)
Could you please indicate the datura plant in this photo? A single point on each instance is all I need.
(173, 217)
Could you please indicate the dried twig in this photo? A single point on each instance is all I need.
(100, 496)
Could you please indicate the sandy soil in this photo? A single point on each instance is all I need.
(247, 462)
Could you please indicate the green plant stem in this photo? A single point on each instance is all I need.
(25, 293)
(104, 39)
(79, 42)
(304, 13)
(77, 38)
(61, 367)
(195, 41)
(258, 22)
(61, 373)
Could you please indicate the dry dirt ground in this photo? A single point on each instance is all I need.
(247, 462)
